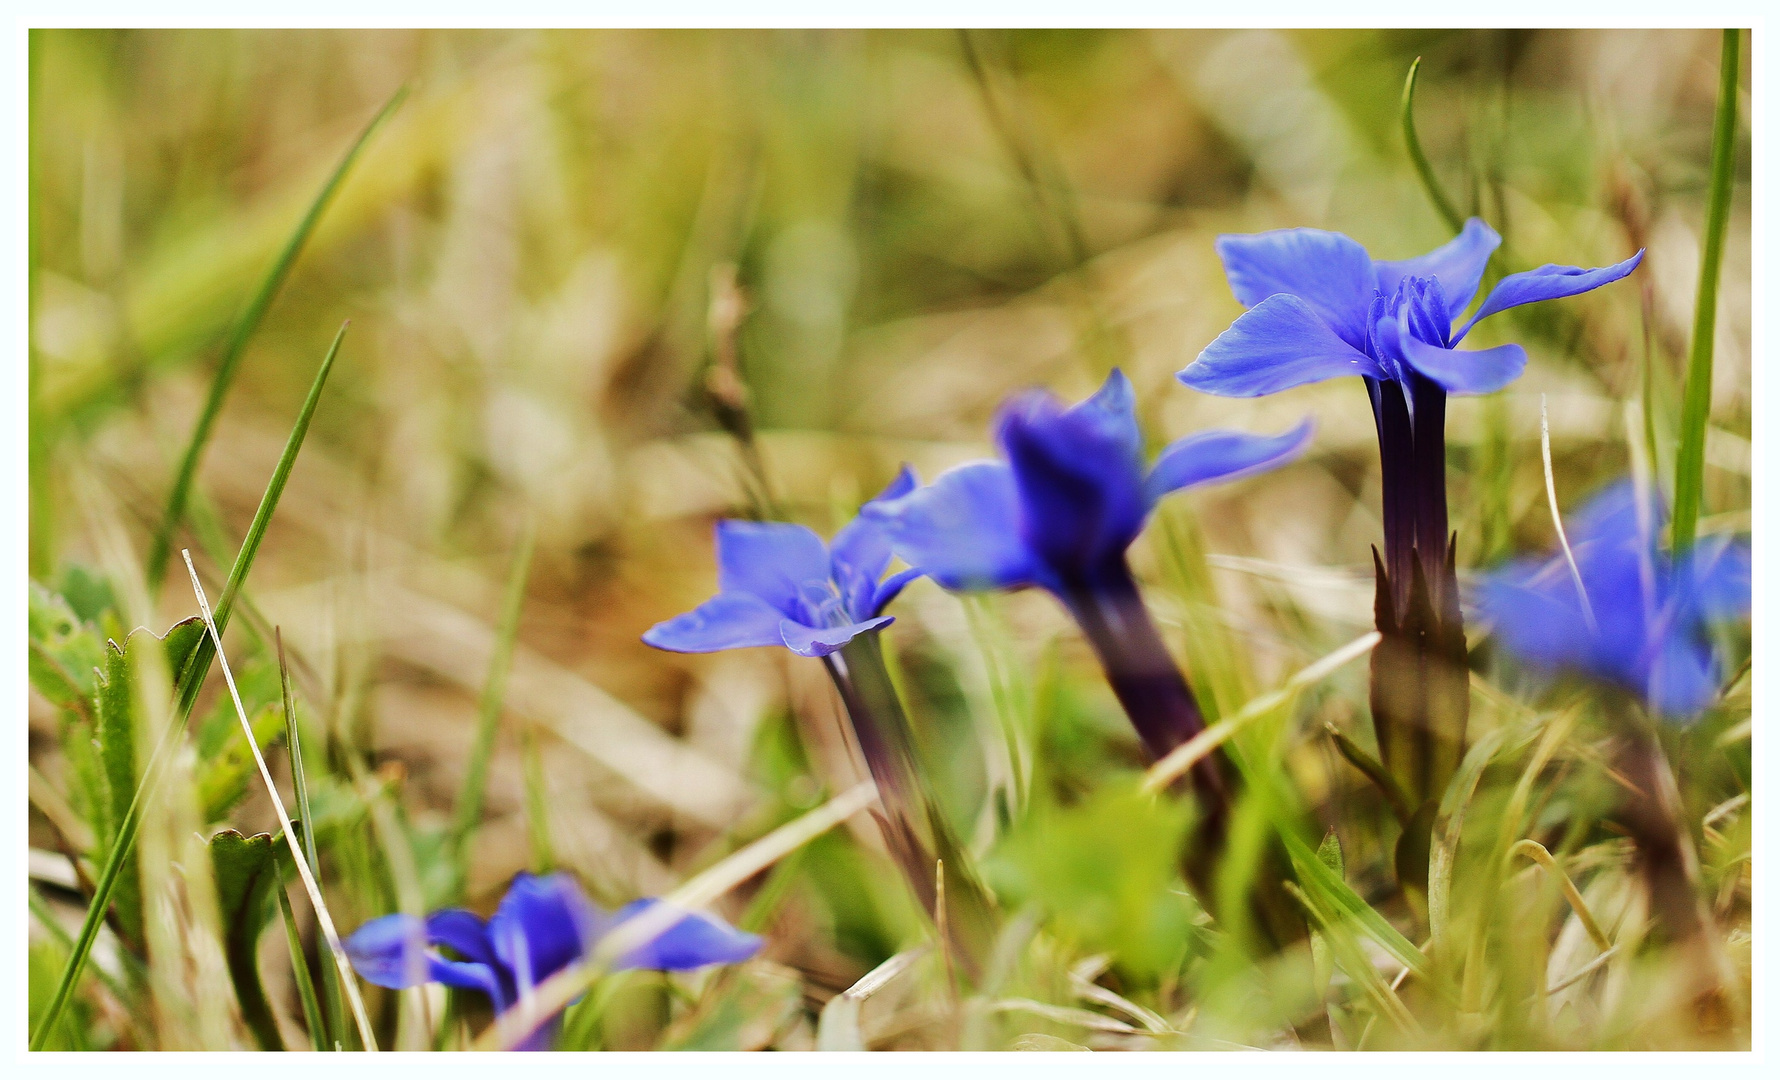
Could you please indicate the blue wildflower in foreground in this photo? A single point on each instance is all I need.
(1319, 307)
(1059, 513)
(779, 584)
(1644, 626)
(543, 925)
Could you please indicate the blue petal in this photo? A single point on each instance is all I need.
(1208, 456)
(694, 942)
(543, 925)
(770, 559)
(1329, 272)
(1276, 345)
(390, 951)
(1464, 371)
(1080, 478)
(1719, 570)
(1683, 678)
(1537, 615)
(1111, 413)
(1457, 264)
(890, 588)
(861, 550)
(812, 641)
(725, 621)
(462, 931)
(1548, 282)
(962, 530)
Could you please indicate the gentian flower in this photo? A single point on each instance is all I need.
(1321, 307)
(780, 585)
(1644, 625)
(1059, 512)
(543, 925)
(1637, 621)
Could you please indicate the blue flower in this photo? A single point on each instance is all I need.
(543, 925)
(1644, 624)
(779, 584)
(1320, 306)
(1070, 498)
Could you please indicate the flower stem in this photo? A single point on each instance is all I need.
(914, 829)
(1144, 677)
(1420, 694)
(1666, 855)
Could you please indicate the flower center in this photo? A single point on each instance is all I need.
(1416, 304)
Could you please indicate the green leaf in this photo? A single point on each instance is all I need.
(246, 870)
(1108, 869)
(223, 776)
(88, 594)
(114, 733)
(65, 651)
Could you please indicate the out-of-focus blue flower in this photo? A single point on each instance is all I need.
(1070, 498)
(1320, 306)
(543, 925)
(1644, 624)
(779, 584)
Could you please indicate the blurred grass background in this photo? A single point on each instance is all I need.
(919, 222)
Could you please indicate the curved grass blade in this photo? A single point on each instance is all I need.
(1430, 183)
(1696, 401)
(161, 546)
(189, 681)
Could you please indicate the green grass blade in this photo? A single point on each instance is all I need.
(1413, 143)
(161, 546)
(318, 1038)
(298, 776)
(1696, 406)
(190, 681)
(1328, 887)
(537, 803)
(469, 801)
(312, 1014)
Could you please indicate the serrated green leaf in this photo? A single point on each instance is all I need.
(246, 869)
(114, 736)
(224, 776)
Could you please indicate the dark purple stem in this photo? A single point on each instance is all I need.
(1145, 679)
(1420, 693)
